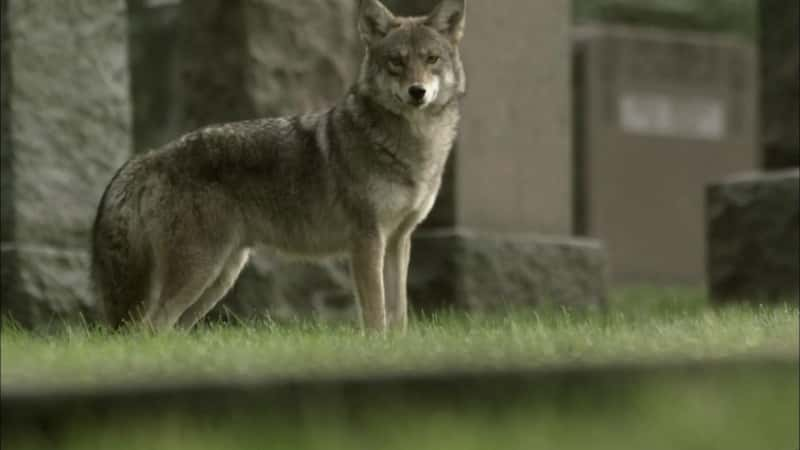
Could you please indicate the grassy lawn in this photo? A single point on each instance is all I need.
(749, 408)
(641, 325)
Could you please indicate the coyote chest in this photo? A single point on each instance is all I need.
(394, 203)
(413, 192)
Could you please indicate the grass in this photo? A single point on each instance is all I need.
(641, 326)
(748, 408)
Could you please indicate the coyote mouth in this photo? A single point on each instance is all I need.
(411, 102)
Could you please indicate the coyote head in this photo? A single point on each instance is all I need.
(412, 63)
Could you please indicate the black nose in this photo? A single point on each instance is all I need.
(417, 92)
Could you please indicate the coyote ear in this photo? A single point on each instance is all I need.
(449, 18)
(374, 20)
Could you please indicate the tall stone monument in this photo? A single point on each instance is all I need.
(241, 59)
(660, 115)
(512, 170)
(66, 129)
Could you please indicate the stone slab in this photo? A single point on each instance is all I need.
(512, 168)
(241, 59)
(477, 271)
(42, 286)
(66, 127)
(6, 157)
(282, 289)
(69, 113)
(753, 237)
(451, 269)
(660, 115)
(210, 61)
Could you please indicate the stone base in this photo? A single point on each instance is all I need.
(753, 221)
(449, 270)
(281, 289)
(43, 285)
(452, 269)
(480, 271)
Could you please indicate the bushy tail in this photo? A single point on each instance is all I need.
(119, 273)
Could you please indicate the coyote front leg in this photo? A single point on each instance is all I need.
(367, 267)
(395, 276)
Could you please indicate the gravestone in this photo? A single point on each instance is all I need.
(66, 130)
(660, 115)
(241, 59)
(514, 168)
(780, 82)
(451, 269)
(753, 235)
(484, 271)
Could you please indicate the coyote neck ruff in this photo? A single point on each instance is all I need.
(175, 225)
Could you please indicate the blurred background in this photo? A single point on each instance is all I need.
(604, 143)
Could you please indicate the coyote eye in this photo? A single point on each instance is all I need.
(433, 59)
(396, 64)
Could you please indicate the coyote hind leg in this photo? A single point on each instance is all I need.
(214, 293)
(184, 278)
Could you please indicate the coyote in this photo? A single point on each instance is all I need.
(176, 224)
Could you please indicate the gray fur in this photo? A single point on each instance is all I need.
(175, 225)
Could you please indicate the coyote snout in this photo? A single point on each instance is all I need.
(175, 225)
